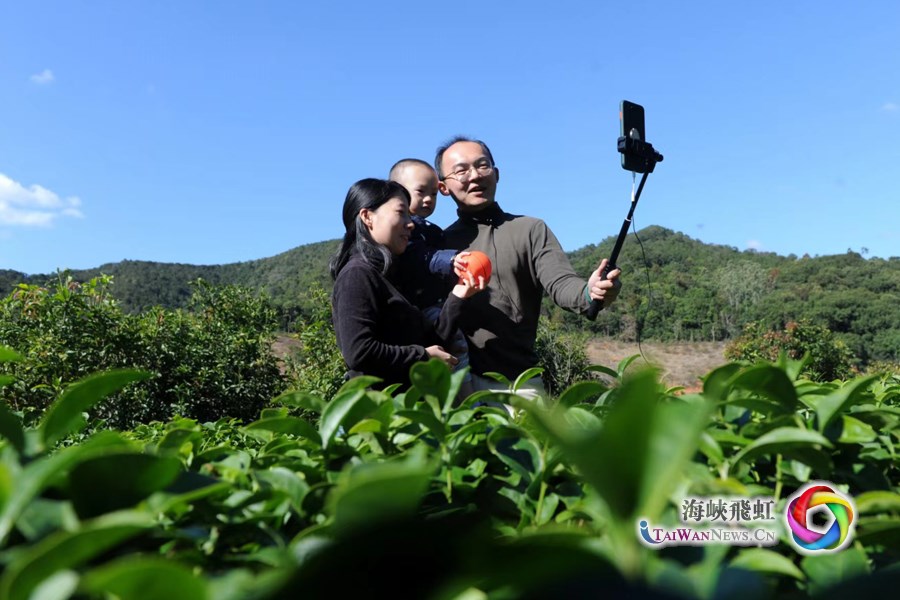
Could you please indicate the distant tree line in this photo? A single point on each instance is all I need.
(695, 292)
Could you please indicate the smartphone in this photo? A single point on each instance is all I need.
(631, 124)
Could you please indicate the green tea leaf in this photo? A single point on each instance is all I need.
(367, 426)
(767, 561)
(9, 355)
(711, 448)
(830, 569)
(717, 382)
(357, 383)
(784, 440)
(379, 491)
(426, 419)
(286, 481)
(879, 531)
(186, 490)
(432, 378)
(518, 451)
(769, 382)
(605, 370)
(526, 376)
(345, 409)
(65, 414)
(145, 578)
(175, 439)
(11, 428)
(125, 479)
(498, 377)
(625, 363)
(637, 457)
(854, 431)
(69, 550)
(301, 399)
(581, 391)
(877, 502)
(791, 367)
(59, 586)
(840, 400)
(288, 425)
(39, 473)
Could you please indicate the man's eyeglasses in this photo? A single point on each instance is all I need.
(461, 172)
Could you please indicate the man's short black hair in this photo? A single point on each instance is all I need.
(439, 155)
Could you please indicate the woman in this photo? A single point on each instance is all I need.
(378, 331)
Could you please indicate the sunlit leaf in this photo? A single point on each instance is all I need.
(770, 382)
(357, 383)
(65, 414)
(636, 458)
(69, 550)
(145, 578)
(288, 425)
(603, 369)
(433, 379)
(581, 391)
(767, 561)
(830, 569)
(345, 409)
(784, 440)
(39, 473)
(877, 502)
(379, 491)
(854, 431)
(717, 382)
(625, 363)
(301, 399)
(841, 399)
(526, 376)
(9, 355)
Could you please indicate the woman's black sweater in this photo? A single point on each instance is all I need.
(378, 331)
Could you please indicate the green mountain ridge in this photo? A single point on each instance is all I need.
(674, 288)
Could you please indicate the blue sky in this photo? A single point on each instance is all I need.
(217, 132)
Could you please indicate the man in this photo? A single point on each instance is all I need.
(501, 325)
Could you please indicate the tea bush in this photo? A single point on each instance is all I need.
(829, 358)
(453, 501)
(317, 366)
(209, 362)
(562, 355)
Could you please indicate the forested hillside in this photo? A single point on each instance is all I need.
(676, 288)
(141, 284)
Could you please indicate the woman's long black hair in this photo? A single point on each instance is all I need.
(366, 193)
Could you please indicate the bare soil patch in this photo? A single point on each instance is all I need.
(682, 363)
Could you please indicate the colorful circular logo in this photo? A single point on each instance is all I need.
(810, 539)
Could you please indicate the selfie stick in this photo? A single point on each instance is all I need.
(630, 146)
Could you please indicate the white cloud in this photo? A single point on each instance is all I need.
(754, 245)
(890, 107)
(34, 206)
(45, 77)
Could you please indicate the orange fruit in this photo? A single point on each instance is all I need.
(478, 265)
